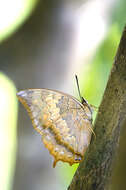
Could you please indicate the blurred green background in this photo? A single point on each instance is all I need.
(43, 44)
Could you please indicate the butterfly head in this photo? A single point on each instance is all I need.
(83, 101)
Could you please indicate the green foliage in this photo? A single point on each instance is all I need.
(119, 14)
(13, 14)
(8, 121)
(96, 74)
(66, 173)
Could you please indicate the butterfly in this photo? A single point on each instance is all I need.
(64, 123)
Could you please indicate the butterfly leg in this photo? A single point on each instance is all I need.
(95, 108)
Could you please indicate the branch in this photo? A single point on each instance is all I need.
(96, 169)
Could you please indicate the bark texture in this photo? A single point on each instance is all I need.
(96, 169)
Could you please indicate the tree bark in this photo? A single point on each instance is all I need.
(96, 170)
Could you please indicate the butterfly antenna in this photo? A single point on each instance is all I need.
(78, 87)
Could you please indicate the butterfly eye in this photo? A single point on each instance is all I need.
(77, 158)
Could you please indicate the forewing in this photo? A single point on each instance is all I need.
(62, 121)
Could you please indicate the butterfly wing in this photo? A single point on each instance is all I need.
(63, 122)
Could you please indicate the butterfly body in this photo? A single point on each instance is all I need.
(63, 122)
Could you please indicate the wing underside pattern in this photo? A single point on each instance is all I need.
(63, 122)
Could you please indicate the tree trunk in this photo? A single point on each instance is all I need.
(96, 169)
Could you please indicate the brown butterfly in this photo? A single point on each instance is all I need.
(64, 123)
